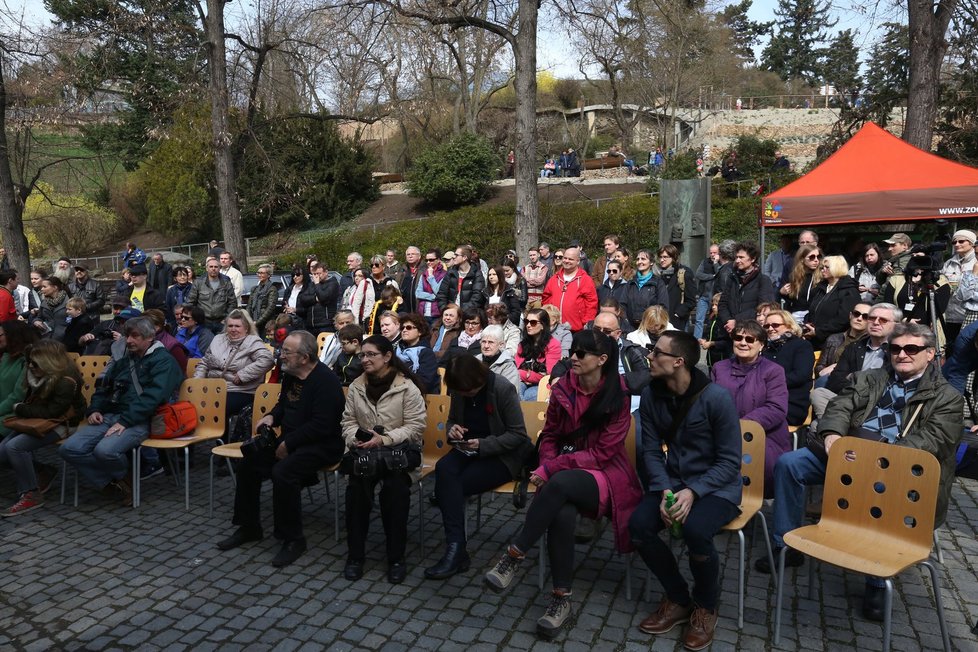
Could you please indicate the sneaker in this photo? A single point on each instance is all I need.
(501, 576)
(28, 501)
(45, 478)
(146, 472)
(559, 611)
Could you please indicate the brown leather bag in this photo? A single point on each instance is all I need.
(34, 427)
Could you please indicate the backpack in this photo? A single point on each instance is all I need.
(240, 425)
(173, 420)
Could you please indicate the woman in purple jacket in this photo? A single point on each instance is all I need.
(759, 390)
(583, 469)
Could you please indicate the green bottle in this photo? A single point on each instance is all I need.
(676, 529)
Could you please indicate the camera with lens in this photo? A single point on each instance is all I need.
(261, 443)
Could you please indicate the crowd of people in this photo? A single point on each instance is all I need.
(617, 341)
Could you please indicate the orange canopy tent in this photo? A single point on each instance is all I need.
(875, 177)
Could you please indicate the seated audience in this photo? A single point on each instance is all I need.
(795, 355)
(537, 354)
(497, 359)
(348, 366)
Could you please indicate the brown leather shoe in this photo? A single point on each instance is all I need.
(668, 615)
(702, 625)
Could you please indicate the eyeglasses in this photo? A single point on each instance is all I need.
(770, 325)
(473, 323)
(532, 322)
(581, 353)
(876, 319)
(855, 314)
(408, 327)
(750, 339)
(655, 353)
(368, 354)
(812, 257)
(910, 349)
(288, 352)
(606, 331)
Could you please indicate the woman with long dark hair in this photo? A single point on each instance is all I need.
(51, 320)
(865, 271)
(486, 430)
(802, 281)
(537, 354)
(583, 469)
(15, 337)
(384, 407)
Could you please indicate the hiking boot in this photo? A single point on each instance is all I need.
(125, 488)
(668, 615)
(28, 500)
(702, 625)
(45, 477)
(501, 576)
(558, 613)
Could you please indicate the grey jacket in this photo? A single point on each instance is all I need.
(937, 429)
(216, 304)
(250, 361)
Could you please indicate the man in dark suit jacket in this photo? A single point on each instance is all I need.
(160, 273)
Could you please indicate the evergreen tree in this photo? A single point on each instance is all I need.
(958, 120)
(746, 32)
(887, 73)
(841, 65)
(795, 50)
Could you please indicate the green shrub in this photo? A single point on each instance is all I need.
(454, 173)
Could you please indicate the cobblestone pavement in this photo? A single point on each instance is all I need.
(104, 577)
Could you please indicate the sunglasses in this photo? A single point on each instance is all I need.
(770, 325)
(812, 257)
(880, 320)
(408, 327)
(581, 353)
(606, 331)
(962, 242)
(614, 271)
(855, 314)
(655, 353)
(431, 260)
(183, 317)
(910, 349)
(558, 257)
(376, 264)
(750, 339)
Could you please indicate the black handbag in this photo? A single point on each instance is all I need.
(375, 463)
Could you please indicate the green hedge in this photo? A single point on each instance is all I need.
(635, 218)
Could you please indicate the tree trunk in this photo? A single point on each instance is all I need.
(527, 222)
(227, 195)
(928, 24)
(11, 198)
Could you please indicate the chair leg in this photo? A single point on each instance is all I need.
(64, 480)
(76, 487)
(811, 578)
(136, 473)
(186, 476)
(543, 561)
(777, 601)
(648, 584)
(478, 513)
(336, 507)
(887, 613)
(939, 602)
(421, 517)
(309, 493)
(628, 575)
(767, 542)
(210, 484)
(937, 547)
(740, 578)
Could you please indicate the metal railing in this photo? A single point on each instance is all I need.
(114, 263)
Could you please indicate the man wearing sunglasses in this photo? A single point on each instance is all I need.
(699, 422)
(909, 404)
(836, 343)
(868, 352)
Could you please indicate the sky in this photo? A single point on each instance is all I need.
(555, 59)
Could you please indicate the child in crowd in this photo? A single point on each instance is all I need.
(77, 323)
(348, 366)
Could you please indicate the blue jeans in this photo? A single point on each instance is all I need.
(794, 471)
(17, 452)
(528, 392)
(100, 459)
(702, 308)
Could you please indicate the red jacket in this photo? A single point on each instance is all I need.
(577, 300)
(8, 307)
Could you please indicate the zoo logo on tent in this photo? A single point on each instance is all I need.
(772, 211)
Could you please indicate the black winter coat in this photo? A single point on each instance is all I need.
(829, 312)
(638, 299)
(472, 286)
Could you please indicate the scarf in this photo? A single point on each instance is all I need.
(55, 301)
(465, 340)
(641, 279)
(377, 386)
(746, 276)
(490, 360)
(775, 345)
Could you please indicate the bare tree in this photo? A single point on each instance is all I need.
(928, 22)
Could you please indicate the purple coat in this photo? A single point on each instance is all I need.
(603, 451)
(760, 393)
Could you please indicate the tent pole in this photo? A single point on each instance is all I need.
(762, 245)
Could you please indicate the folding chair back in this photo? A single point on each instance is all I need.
(543, 389)
(91, 367)
(266, 396)
(321, 342)
(435, 432)
(751, 472)
(192, 366)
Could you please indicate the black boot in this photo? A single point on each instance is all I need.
(455, 560)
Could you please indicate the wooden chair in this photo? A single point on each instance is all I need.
(752, 475)
(435, 447)
(321, 342)
(90, 367)
(877, 519)
(543, 389)
(74, 357)
(208, 396)
(192, 366)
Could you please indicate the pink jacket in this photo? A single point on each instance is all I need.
(551, 358)
(602, 451)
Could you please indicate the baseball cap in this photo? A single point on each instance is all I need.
(899, 238)
(138, 270)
